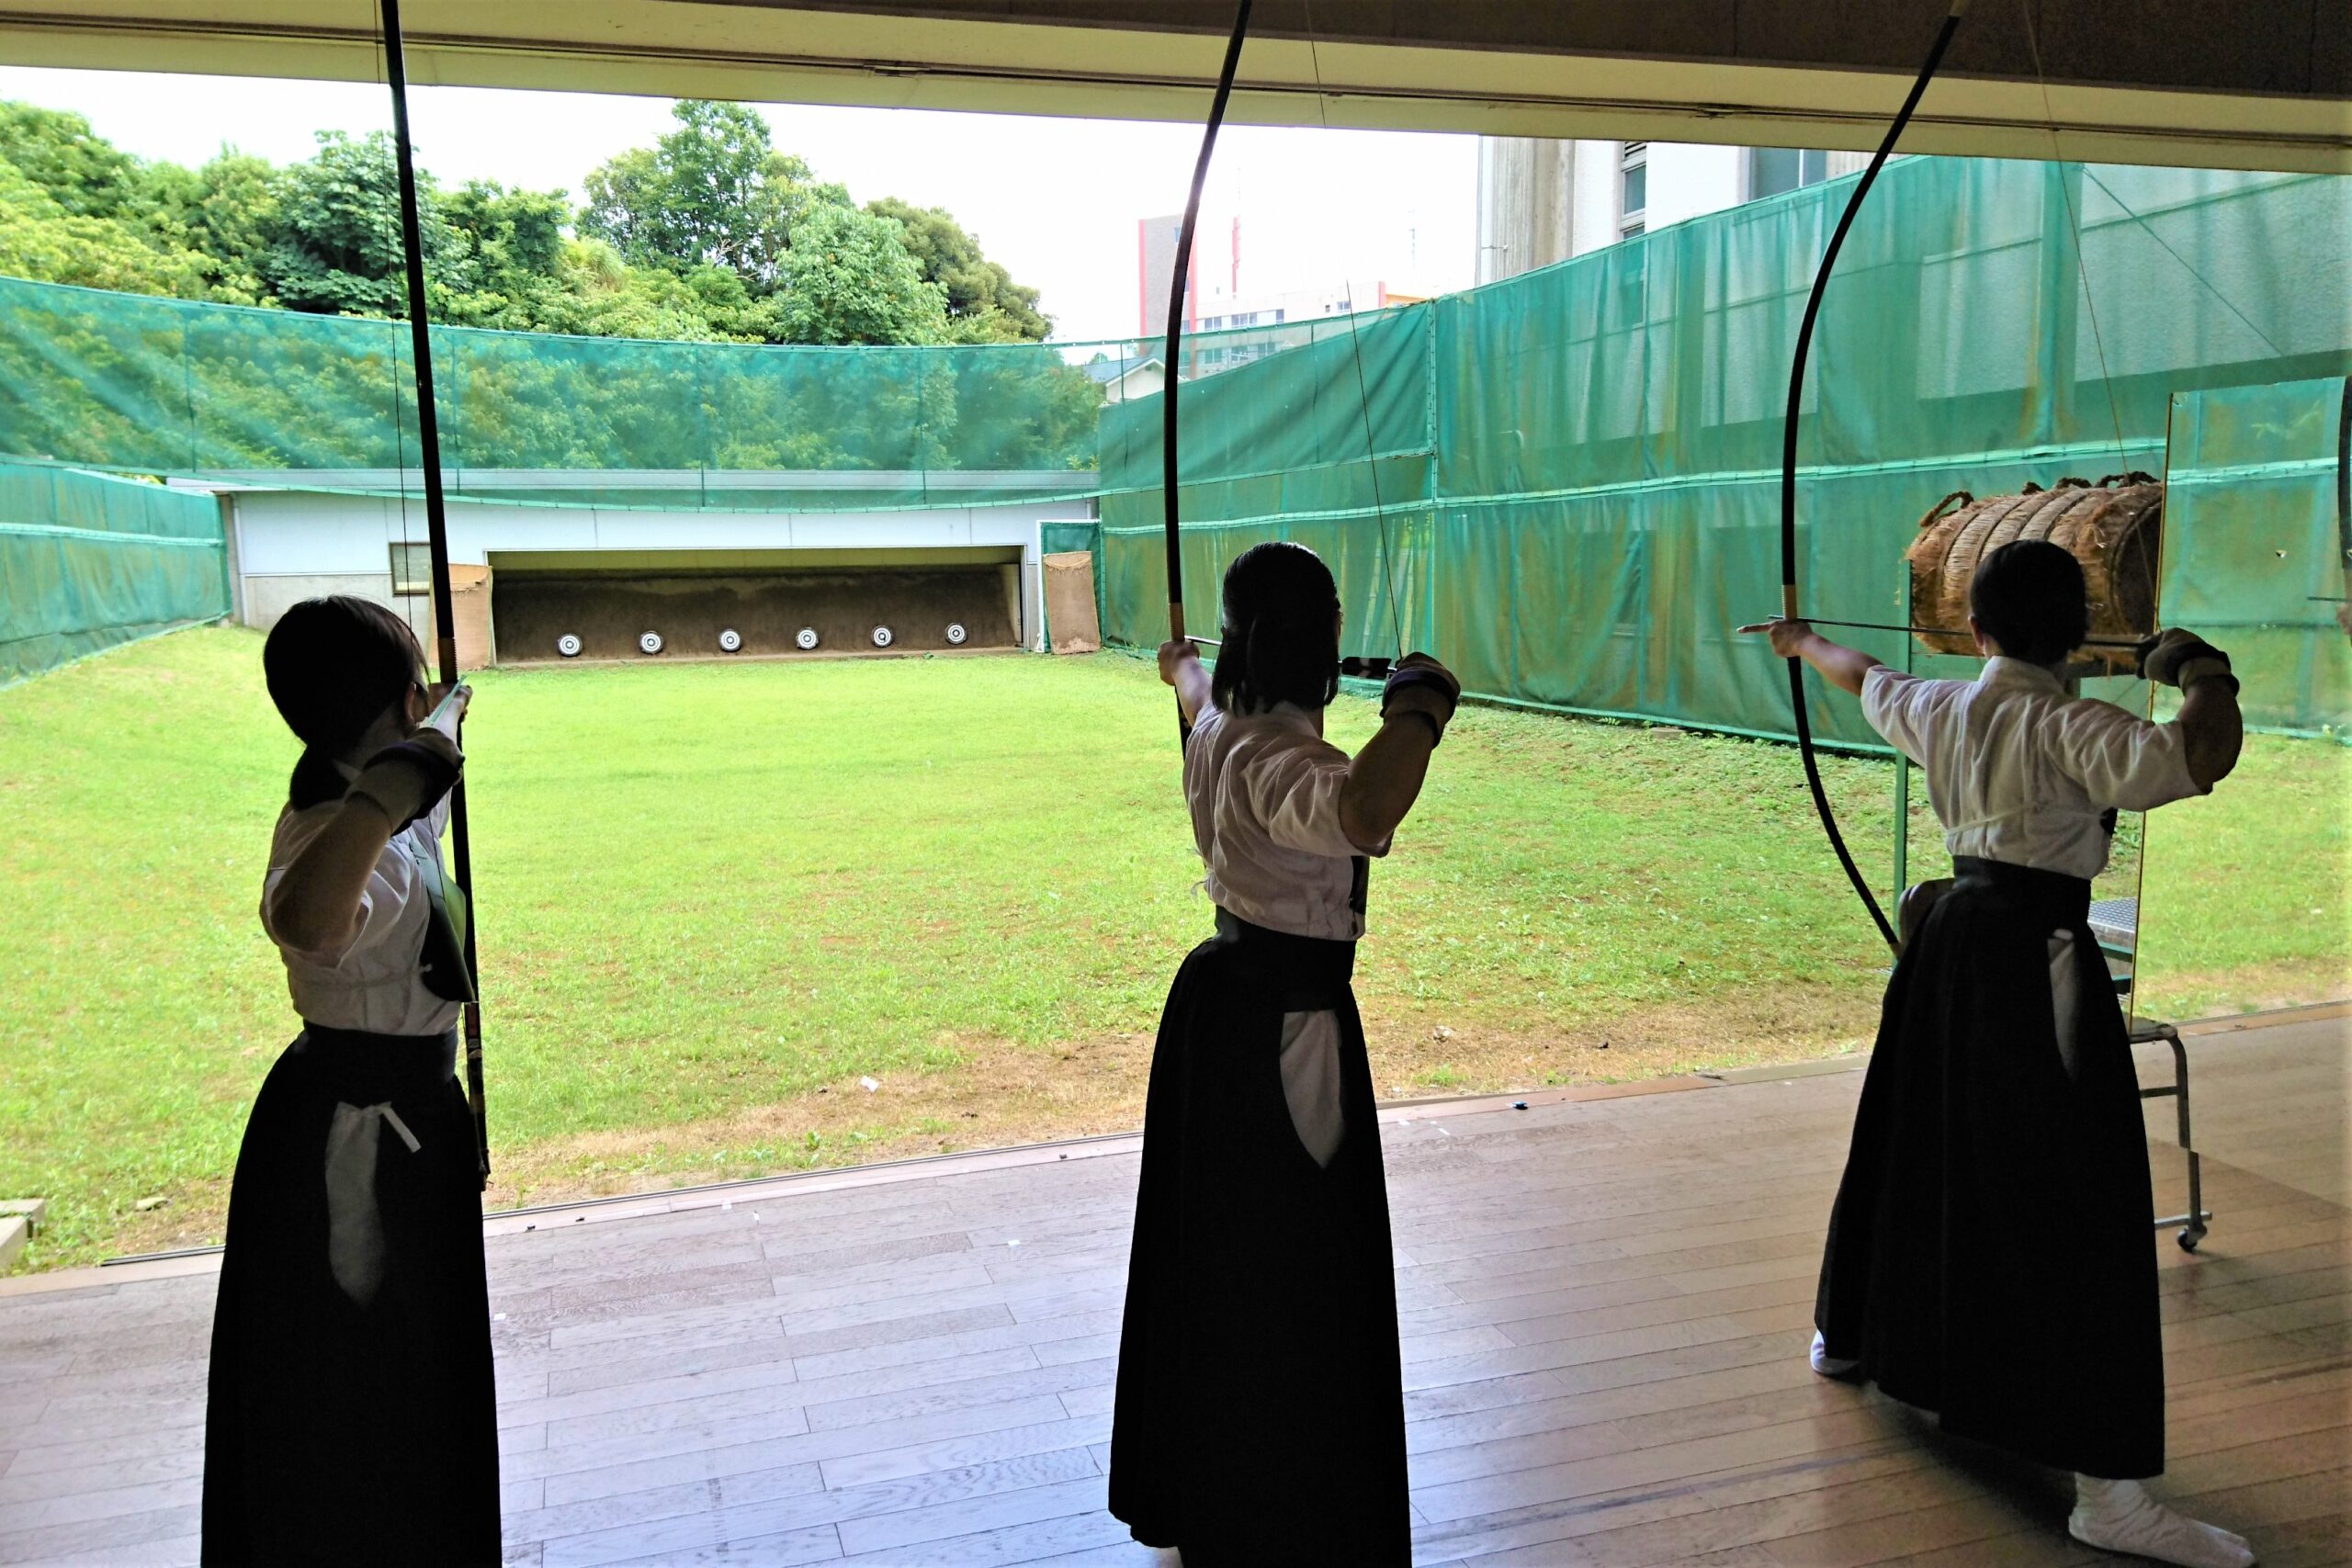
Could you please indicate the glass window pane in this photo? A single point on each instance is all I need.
(412, 566)
(1771, 170)
(1637, 187)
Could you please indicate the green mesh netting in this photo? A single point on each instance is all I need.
(1565, 484)
(164, 385)
(1576, 470)
(2254, 555)
(87, 561)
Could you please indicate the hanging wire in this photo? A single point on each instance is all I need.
(2075, 229)
(1363, 392)
(2125, 208)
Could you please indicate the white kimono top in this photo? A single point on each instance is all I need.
(373, 983)
(2020, 772)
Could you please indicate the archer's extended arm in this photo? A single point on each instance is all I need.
(1844, 668)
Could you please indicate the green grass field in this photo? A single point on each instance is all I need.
(714, 898)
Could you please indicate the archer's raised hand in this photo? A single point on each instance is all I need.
(1420, 685)
(2178, 657)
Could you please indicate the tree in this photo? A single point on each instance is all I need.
(84, 174)
(984, 304)
(42, 241)
(599, 295)
(81, 209)
(513, 246)
(337, 249)
(711, 193)
(850, 279)
(226, 212)
(709, 235)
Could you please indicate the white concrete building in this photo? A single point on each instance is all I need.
(1540, 202)
(976, 567)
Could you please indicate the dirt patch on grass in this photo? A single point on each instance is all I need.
(998, 1094)
(192, 1215)
(2252, 988)
(1418, 1055)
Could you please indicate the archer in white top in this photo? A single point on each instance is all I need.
(1285, 823)
(2021, 774)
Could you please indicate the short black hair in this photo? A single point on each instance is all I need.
(1281, 641)
(2030, 597)
(334, 664)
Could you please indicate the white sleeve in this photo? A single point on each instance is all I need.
(2135, 764)
(1295, 792)
(1896, 705)
(392, 889)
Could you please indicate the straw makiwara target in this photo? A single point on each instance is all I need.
(2114, 527)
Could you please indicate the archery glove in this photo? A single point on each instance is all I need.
(2179, 658)
(408, 778)
(1419, 685)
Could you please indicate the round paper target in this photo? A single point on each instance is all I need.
(729, 641)
(568, 645)
(650, 642)
(956, 634)
(881, 637)
(804, 638)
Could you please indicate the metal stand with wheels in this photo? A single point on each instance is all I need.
(2115, 923)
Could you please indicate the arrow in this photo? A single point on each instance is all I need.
(2139, 643)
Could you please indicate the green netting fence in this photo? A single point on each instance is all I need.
(1565, 484)
(2256, 555)
(87, 561)
(153, 386)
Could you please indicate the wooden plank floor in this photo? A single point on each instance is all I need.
(1605, 1308)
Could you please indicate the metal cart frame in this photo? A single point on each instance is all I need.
(2115, 923)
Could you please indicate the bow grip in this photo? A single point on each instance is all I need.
(1409, 676)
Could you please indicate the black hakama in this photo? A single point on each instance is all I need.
(338, 1433)
(1261, 1407)
(1989, 1255)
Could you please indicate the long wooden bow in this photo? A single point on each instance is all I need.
(1171, 398)
(437, 523)
(1789, 464)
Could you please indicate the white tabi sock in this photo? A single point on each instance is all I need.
(2119, 1515)
(1827, 1365)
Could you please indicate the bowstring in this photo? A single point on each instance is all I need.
(1363, 388)
(2075, 230)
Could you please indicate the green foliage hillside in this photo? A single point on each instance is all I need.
(709, 235)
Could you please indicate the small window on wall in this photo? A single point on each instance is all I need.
(1771, 170)
(1632, 189)
(412, 570)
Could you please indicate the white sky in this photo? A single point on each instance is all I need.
(1054, 201)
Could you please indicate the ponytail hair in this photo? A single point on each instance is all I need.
(1281, 641)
